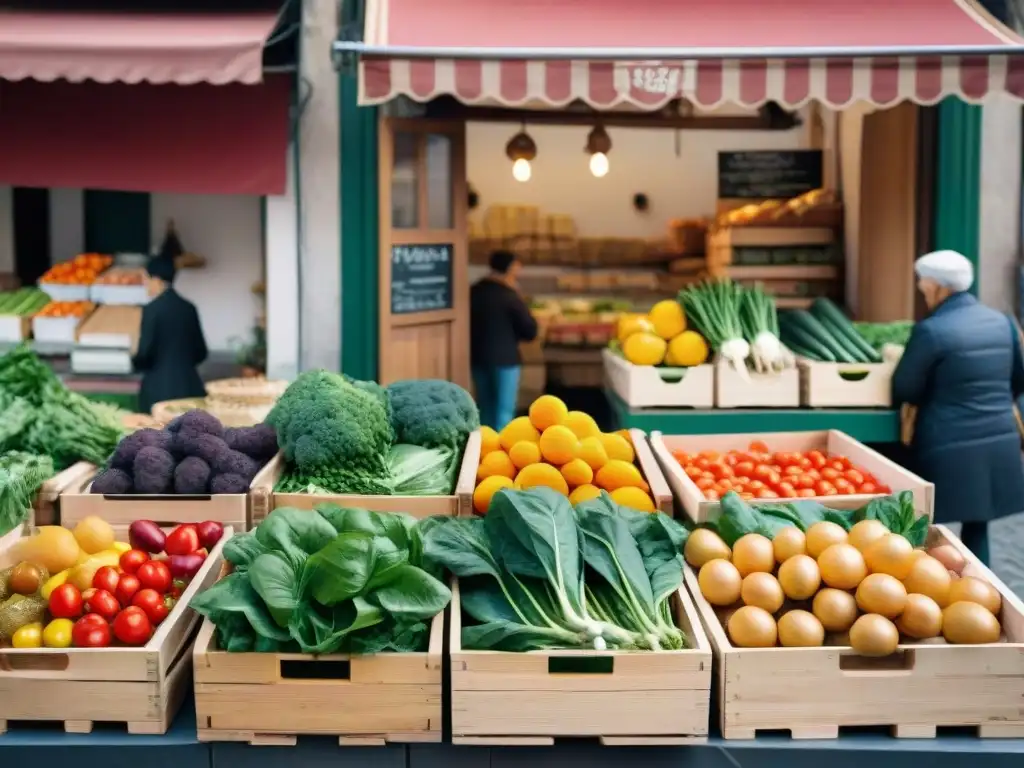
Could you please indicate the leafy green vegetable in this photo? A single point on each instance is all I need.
(536, 573)
(432, 413)
(417, 471)
(21, 477)
(897, 513)
(332, 580)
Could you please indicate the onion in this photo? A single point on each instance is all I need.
(736, 351)
(949, 557)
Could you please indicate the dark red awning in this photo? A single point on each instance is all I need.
(213, 139)
(494, 52)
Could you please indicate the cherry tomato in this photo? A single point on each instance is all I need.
(66, 602)
(868, 488)
(806, 493)
(106, 578)
(755, 485)
(745, 468)
(127, 586)
(855, 476)
(712, 495)
(701, 463)
(805, 463)
(91, 631)
(805, 481)
(183, 540)
(132, 559)
(722, 470)
(757, 447)
(179, 586)
(102, 603)
(705, 482)
(710, 455)
(746, 496)
(831, 474)
(817, 458)
(732, 460)
(682, 457)
(767, 493)
(152, 603)
(792, 470)
(785, 487)
(694, 472)
(883, 488)
(825, 488)
(155, 575)
(763, 471)
(837, 465)
(132, 626)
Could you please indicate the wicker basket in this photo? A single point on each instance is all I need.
(244, 392)
(231, 415)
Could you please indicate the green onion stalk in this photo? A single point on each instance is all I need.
(713, 308)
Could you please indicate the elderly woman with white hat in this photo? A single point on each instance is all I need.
(963, 370)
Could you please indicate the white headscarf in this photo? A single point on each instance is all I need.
(947, 268)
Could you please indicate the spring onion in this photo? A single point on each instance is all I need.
(760, 324)
(713, 308)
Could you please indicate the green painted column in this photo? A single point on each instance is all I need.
(958, 180)
(359, 232)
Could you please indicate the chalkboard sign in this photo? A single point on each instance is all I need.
(778, 175)
(421, 278)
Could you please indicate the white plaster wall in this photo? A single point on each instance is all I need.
(319, 191)
(281, 237)
(1000, 225)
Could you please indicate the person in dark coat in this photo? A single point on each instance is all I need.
(963, 371)
(499, 321)
(171, 342)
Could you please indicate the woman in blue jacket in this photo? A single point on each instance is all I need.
(963, 371)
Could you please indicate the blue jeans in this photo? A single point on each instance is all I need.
(497, 388)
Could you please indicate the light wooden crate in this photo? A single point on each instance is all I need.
(458, 503)
(757, 390)
(46, 505)
(533, 698)
(642, 386)
(140, 687)
(661, 493)
(271, 698)
(721, 242)
(845, 385)
(831, 442)
(815, 692)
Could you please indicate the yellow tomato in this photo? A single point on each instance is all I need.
(28, 636)
(53, 582)
(58, 633)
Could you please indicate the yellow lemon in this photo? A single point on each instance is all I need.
(645, 349)
(616, 447)
(687, 349)
(486, 489)
(667, 318)
(524, 453)
(547, 411)
(617, 474)
(582, 424)
(496, 463)
(593, 452)
(630, 323)
(633, 498)
(584, 493)
(489, 440)
(577, 472)
(518, 429)
(558, 445)
(544, 475)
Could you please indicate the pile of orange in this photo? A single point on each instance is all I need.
(81, 270)
(66, 309)
(563, 450)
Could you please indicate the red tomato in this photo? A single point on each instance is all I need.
(731, 460)
(868, 488)
(837, 465)
(855, 476)
(106, 578)
(102, 603)
(155, 575)
(722, 470)
(817, 458)
(132, 626)
(792, 470)
(767, 493)
(763, 471)
(786, 488)
(90, 631)
(152, 603)
(755, 485)
(66, 602)
(757, 447)
(701, 463)
(883, 488)
(126, 588)
(710, 455)
(805, 481)
(746, 496)
(681, 456)
(132, 559)
(183, 540)
(712, 495)
(705, 482)
(825, 488)
(745, 468)
(805, 463)
(806, 493)
(831, 474)
(694, 472)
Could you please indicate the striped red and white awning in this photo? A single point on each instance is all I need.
(522, 53)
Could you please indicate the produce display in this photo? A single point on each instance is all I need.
(77, 309)
(83, 589)
(122, 276)
(81, 270)
(562, 450)
(193, 454)
(343, 436)
(331, 580)
(660, 337)
(23, 302)
(537, 573)
(879, 335)
(740, 323)
(762, 474)
(825, 334)
(803, 575)
(44, 427)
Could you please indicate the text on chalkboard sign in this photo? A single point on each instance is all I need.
(421, 278)
(769, 174)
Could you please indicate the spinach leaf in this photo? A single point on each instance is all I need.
(320, 629)
(275, 578)
(411, 594)
(294, 531)
(242, 549)
(352, 564)
(232, 599)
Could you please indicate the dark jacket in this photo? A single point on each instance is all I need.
(962, 368)
(498, 321)
(171, 345)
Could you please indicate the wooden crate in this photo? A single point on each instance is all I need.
(46, 505)
(271, 699)
(458, 503)
(121, 511)
(533, 698)
(831, 441)
(721, 242)
(15, 328)
(757, 390)
(140, 687)
(642, 386)
(815, 692)
(845, 385)
(660, 490)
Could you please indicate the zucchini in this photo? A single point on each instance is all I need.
(840, 324)
(795, 335)
(804, 320)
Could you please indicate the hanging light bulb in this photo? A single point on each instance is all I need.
(521, 150)
(598, 146)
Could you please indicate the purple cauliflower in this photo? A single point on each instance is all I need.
(113, 482)
(192, 476)
(206, 447)
(124, 454)
(197, 421)
(235, 463)
(258, 442)
(153, 470)
(229, 483)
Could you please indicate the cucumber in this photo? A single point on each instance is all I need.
(795, 335)
(840, 323)
(804, 320)
(852, 350)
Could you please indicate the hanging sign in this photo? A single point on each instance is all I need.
(421, 278)
(769, 174)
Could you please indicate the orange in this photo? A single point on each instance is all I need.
(541, 475)
(516, 430)
(547, 411)
(593, 452)
(496, 463)
(633, 498)
(558, 445)
(584, 493)
(577, 472)
(489, 440)
(524, 453)
(486, 490)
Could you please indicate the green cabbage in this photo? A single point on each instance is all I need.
(418, 471)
